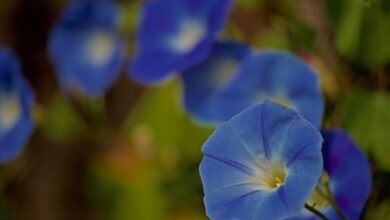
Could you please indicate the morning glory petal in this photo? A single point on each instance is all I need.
(269, 75)
(175, 34)
(349, 176)
(85, 47)
(349, 172)
(16, 100)
(262, 163)
(205, 79)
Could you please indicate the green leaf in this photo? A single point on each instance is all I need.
(61, 122)
(362, 29)
(366, 117)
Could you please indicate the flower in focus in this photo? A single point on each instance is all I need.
(262, 164)
(85, 47)
(274, 75)
(16, 100)
(175, 34)
(204, 80)
(349, 177)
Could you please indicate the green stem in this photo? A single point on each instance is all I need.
(315, 212)
(333, 203)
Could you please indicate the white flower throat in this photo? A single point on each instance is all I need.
(270, 176)
(10, 110)
(189, 35)
(101, 48)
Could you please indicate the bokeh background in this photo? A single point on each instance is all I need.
(134, 154)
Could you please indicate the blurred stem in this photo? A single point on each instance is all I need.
(333, 203)
(327, 195)
(315, 212)
(91, 110)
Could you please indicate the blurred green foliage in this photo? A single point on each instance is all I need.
(163, 137)
(160, 110)
(362, 30)
(381, 212)
(367, 118)
(62, 123)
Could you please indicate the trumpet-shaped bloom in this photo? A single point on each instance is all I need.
(175, 34)
(16, 100)
(204, 80)
(274, 75)
(261, 164)
(85, 47)
(349, 176)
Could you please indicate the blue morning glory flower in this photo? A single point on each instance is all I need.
(262, 164)
(85, 47)
(274, 75)
(204, 80)
(16, 100)
(349, 176)
(175, 34)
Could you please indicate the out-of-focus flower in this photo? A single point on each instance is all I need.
(349, 177)
(86, 48)
(175, 34)
(16, 100)
(274, 75)
(349, 172)
(262, 164)
(204, 80)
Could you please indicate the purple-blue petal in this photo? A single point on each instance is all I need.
(161, 20)
(205, 79)
(82, 22)
(349, 172)
(260, 135)
(349, 176)
(12, 82)
(275, 75)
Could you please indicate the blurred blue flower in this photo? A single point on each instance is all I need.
(85, 47)
(274, 75)
(16, 100)
(261, 164)
(349, 178)
(203, 81)
(175, 34)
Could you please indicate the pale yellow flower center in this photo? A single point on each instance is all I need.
(271, 176)
(101, 48)
(189, 36)
(225, 70)
(10, 111)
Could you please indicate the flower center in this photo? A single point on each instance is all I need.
(101, 48)
(225, 69)
(10, 111)
(188, 37)
(272, 176)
